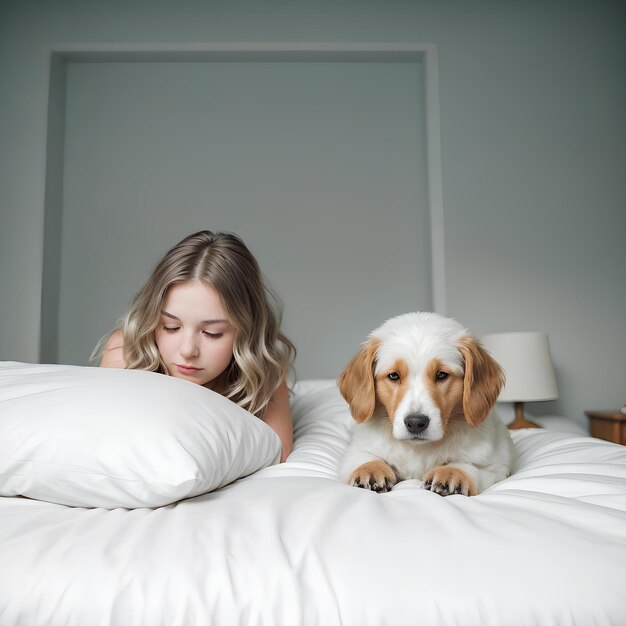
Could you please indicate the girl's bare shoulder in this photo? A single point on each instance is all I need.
(112, 354)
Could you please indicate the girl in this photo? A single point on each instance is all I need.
(205, 315)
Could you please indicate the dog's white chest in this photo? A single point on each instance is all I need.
(408, 460)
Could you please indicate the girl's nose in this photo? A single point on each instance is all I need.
(189, 347)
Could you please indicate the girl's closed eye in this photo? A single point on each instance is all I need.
(171, 329)
(206, 333)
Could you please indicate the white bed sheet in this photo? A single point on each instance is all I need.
(292, 545)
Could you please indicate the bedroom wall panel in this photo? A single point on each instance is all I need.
(319, 166)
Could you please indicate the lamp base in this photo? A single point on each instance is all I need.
(520, 421)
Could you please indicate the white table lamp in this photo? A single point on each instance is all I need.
(527, 364)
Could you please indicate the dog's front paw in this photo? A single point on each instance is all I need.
(375, 475)
(446, 481)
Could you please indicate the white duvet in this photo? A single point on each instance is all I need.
(292, 545)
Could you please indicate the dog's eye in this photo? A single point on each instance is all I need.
(442, 375)
(393, 376)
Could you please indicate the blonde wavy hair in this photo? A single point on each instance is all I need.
(262, 355)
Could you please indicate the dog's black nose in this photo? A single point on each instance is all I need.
(416, 423)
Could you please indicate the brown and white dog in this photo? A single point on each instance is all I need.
(421, 391)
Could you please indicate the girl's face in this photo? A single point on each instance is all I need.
(194, 335)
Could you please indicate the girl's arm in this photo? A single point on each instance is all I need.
(112, 355)
(278, 416)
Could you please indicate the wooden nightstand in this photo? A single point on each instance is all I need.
(609, 425)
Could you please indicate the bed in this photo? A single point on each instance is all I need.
(289, 544)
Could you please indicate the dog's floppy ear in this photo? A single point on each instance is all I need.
(356, 383)
(482, 381)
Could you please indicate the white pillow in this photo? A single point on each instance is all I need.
(99, 437)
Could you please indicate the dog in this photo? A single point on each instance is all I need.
(421, 390)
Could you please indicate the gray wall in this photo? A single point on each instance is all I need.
(533, 153)
(314, 164)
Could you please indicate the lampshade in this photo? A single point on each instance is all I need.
(526, 361)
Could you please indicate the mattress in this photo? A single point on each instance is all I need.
(291, 544)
